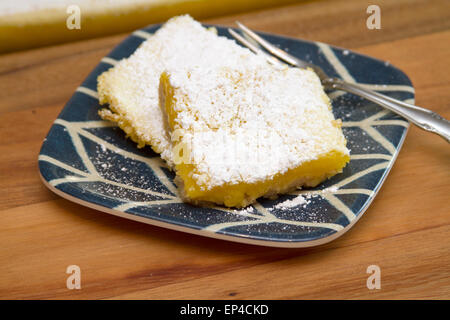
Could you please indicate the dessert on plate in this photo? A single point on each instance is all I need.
(131, 87)
(232, 127)
(242, 133)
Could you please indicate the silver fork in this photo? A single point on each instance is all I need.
(421, 117)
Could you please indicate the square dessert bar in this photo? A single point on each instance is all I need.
(246, 131)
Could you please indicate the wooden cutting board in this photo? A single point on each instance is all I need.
(406, 231)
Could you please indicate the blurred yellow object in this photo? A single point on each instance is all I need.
(31, 24)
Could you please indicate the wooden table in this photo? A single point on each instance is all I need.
(406, 231)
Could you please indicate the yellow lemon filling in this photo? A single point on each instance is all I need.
(326, 162)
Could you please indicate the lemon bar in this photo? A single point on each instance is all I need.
(131, 86)
(242, 133)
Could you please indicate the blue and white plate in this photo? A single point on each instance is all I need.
(89, 161)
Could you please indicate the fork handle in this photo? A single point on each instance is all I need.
(421, 117)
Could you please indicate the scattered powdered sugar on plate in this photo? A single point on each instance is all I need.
(298, 200)
(330, 189)
(302, 199)
(248, 209)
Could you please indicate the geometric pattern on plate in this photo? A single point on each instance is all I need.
(89, 161)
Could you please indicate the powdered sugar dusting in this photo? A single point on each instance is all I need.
(244, 211)
(298, 200)
(131, 87)
(251, 122)
(303, 199)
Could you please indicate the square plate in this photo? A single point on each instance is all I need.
(89, 161)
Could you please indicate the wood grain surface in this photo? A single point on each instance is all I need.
(406, 231)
